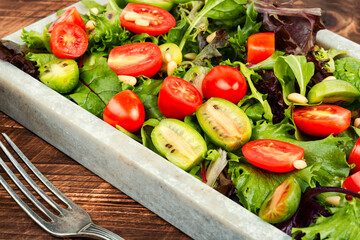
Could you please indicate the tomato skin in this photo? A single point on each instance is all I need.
(178, 98)
(71, 15)
(224, 82)
(352, 182)
(126, 110)
(68, 41)
(273, 155)
(136, 59)
(322, 120)
(260, 46)
(160, 20)
(354, 157)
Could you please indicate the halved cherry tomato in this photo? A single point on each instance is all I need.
(322, 120)
(273, 155)
(68, 40)
(260, 46)
(143, 18)
(71, 15)
(224, 82)
(352, 182)
(136, 59)
(126, 110)
(178, 98)
(354, 157)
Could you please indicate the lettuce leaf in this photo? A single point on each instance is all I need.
(98, 84)
(348, 69)
(342, 224)
(40, 58)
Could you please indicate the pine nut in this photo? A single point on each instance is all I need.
(94, 10)
(357, 123)
(171, 66)
(211, 37)
(334, 200)
(297, 98)
(190, 56)
(132, 16)
(127, 79)
(90, 25)
(329, 78)
(167, 57)
(142, 22)
(299, 164)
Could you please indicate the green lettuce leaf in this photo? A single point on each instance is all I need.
(98, 84)
(348, 69)
(289, 68)
(342, 224)
(146, 130)
(40, 58)
(36, 40)
(228, 9)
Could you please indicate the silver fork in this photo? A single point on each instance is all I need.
(70, 222)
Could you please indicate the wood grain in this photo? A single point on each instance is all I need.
(108, 206)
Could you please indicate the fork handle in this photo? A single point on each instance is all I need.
(94, 231)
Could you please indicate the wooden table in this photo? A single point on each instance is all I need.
(108, 206)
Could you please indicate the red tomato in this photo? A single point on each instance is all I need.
(71, 15)
(273, 155)
(143, 18)
(260, 46)
(352, 182)
(178, 98)
(68, 40)
(224, 82)
(136, 59)
(126, 110)
(354, 157)
(322, 120)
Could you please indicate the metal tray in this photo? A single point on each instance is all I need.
(171, 193)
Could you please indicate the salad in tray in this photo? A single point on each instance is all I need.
(236, 93)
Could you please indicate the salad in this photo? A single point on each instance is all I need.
(233, 92)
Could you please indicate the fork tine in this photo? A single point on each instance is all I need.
(21, 203)
(41, 177)
(27, 193)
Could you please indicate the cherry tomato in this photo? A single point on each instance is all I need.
(260, 46)
(322, 120)
(224, 82)
(352, 182)
(71, 15)
(143, 18)
(178, 98)
(68, 40)
(354, 157)
(273, 155)
(136, 59)
(126, 110)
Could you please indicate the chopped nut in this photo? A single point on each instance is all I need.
(334, 200)
(357, 123)
(132, 16)
(90, 25)
(94, 10)
(299, 164)
(127, 79)
(211, 37)
(329, 78)
(190, 56)
(167, 57)
(142, 22)
(297, 98)
(171, 66)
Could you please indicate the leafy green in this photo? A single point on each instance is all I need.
(133, 136)
(98, 84)
(228, 9)
(291, 67)
(348, 69)
(92, 4)
(239, 39)
(328, 55)
(344, 219)
(40, 58)
(146, 130)
(36, 40)
(268, 63)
